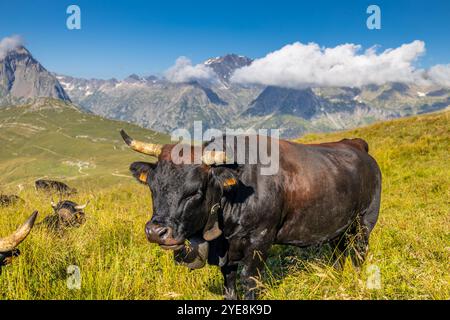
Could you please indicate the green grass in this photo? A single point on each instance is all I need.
(410, 244)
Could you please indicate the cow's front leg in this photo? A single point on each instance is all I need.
(253, 265)
(229, 273)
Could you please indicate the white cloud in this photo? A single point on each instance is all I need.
(439, 75)
(184, 71)
(9, 43)
(300, 65)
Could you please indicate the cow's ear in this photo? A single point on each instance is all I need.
(141, 170)
(225, 178)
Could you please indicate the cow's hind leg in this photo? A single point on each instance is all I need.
(353, 243)
(364, 225)
(359, 245)
(340, 252)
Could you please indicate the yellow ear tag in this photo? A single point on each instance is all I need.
(230, 182)
(143, 176)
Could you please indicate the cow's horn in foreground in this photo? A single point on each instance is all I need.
(151, 149)
(9, 243)
(81, 206)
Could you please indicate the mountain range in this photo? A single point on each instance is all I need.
(156, 103)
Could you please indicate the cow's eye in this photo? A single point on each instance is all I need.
(189, 201)
(193, 197)
(194, 194)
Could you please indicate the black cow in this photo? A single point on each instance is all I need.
(52, 185)
(8, 244)
(322, 193)
(9, 199)
(67, 214)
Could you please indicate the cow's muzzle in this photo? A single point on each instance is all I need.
(163, 236)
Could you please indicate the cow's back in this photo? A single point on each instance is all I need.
(49, 185)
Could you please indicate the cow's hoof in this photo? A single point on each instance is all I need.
(251, 295)
(230, 294)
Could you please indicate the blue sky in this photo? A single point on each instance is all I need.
(145, 37)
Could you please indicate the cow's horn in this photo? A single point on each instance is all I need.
(81, 207)
(151, 149)
(214, 157)
(9, 243)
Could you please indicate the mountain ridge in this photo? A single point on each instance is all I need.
(154, 102)
(224, 103)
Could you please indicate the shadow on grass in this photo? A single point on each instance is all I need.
(285, 259)
(282, 260)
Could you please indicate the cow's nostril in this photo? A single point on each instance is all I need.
(157, 233)
(162, 232)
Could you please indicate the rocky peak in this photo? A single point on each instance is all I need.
(22, 78)
(225, 66)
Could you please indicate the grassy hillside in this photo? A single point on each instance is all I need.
(410, 244)
(53, 139)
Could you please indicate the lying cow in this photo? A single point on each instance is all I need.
(8, 244)
(67, 214)
(54, 186)
(9, 199)
(322, 193)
